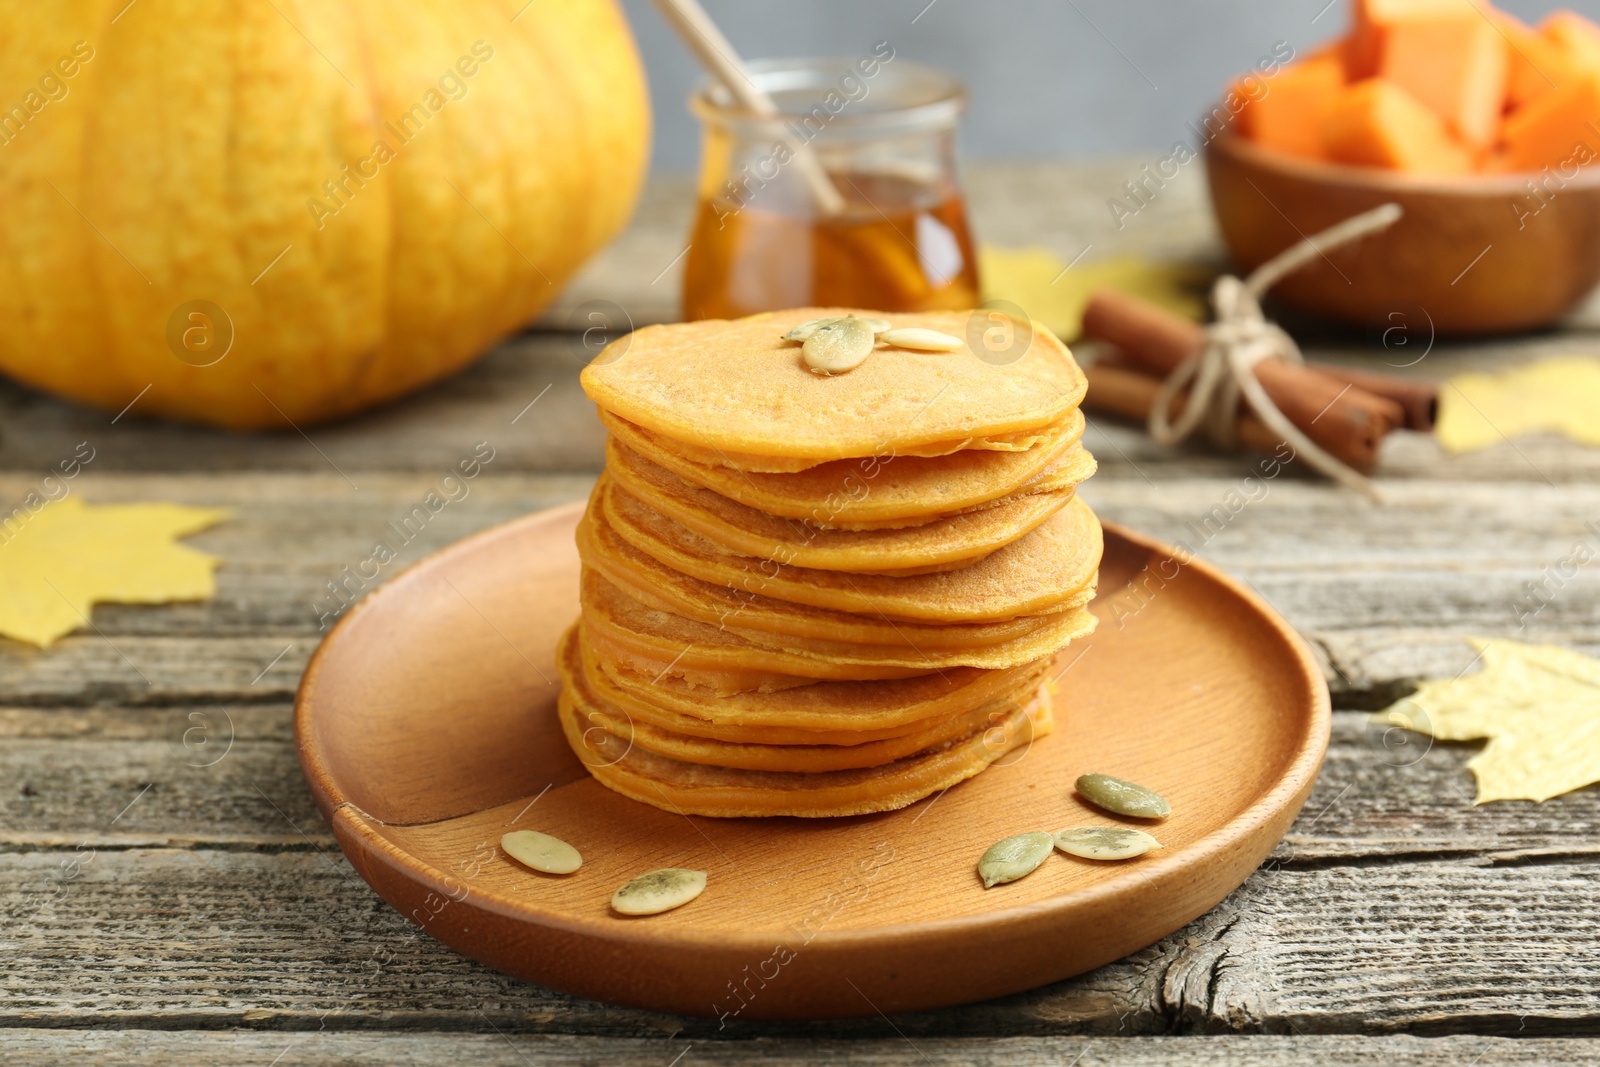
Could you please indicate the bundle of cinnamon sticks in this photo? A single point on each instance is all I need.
(1346, 412)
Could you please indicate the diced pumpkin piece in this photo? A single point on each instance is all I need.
(1241, 119)
(1337, 49)
(1387, 12)
(1375, 123)
(1456, 66)
(1371, 17)
(1495, 162)
(1288, 118)
(1538, 63)
(1549, 128)
(1576, 36)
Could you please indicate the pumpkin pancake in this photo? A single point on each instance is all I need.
(615, 618)
(642, 700)
(1051, 568)
(723, 682)
(805, 759)
(884, 491)
(647, 579)
(748, 461)
(941, 545)
(870, 709)
(1056, 632)
(597, 682)
(735, 385)
(748, 750)
(698, 789)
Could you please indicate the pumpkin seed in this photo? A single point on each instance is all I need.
(658, 891)
(922, 340)
(1104, 842)
(837, 346)
(1122, 797)
(806, 329)
(877, 325)
(541, 852)
(1012, 858)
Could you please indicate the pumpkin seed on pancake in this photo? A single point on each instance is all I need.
(1052, 566)
(837, 347)
(700, 789)
(646, 578)
(736, 385)
(853, 713)
(617, 618)
(898, 490)
(922, 340)
(941, 545)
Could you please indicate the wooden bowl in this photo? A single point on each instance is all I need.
(427, 729)
(1472, 255)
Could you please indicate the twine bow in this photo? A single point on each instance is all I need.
(1222, 372)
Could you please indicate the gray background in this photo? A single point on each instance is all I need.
(1048, 78)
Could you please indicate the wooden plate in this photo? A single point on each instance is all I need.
(426, 726)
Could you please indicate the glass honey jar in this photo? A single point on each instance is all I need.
(847, 195)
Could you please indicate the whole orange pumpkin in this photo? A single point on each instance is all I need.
(253, 213)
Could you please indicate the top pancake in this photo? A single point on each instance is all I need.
(735, 385)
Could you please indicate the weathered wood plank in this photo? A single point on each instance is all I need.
(428, 431)
(291, 534)
(38, 1048)
(1387, 592)
(92, 670)
(201, 938)
(201, 784)
(227, 777)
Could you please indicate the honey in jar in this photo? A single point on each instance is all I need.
(892, 235)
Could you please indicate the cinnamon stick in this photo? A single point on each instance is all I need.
(1418, 399)
(1120, 388)
(1331, 409)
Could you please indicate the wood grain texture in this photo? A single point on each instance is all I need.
(214, 902)
(1382, 795)
(1386, 593)
(181, 938)
(39, 1048)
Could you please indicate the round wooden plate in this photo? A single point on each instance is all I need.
(426, 726)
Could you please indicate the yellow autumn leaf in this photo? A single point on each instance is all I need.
(1560, 395)
(1538, 706)
(58, 561)
(1048, 289)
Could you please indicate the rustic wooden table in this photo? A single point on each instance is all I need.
(170, 894)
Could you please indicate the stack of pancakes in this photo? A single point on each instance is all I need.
(823, 595)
